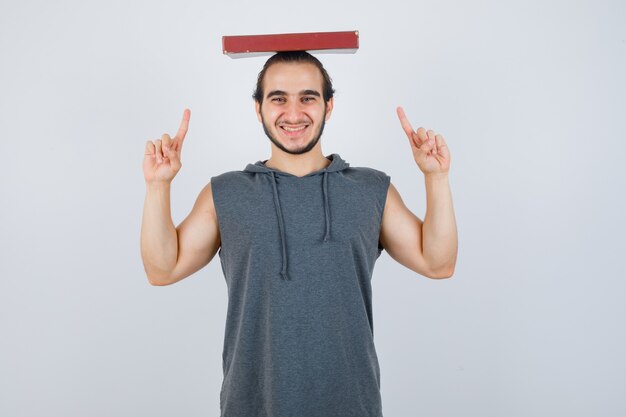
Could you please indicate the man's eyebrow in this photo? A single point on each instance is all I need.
(276, 93)
(310, 93)
(302, 93)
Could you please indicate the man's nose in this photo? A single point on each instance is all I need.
(294, 111)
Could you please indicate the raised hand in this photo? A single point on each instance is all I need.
(429, 149)
(161, 161)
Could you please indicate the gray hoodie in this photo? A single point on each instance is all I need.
(298, 254)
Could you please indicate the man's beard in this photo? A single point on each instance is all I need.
(306, 149)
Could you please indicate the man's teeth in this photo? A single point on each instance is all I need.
(293, 129)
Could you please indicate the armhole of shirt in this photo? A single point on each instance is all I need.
(382, 198)
(215, 191)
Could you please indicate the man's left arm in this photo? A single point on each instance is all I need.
(429, 247)
(439, 229)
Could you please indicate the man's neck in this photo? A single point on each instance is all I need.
(298, 165)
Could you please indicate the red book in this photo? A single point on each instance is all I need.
(252, 45)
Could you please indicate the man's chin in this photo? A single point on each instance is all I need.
(296, 150)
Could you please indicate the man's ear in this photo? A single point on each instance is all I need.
(257, 109)
(329, 108)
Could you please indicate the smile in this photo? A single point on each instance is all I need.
(293, 130)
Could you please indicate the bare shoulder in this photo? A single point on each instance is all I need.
(205, 200)
(201, 224)
(198, 237)
(394, 204)
(401, 233)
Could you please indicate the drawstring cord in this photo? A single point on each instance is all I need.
(281, 225)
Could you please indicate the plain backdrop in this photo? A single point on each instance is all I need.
(530, 96)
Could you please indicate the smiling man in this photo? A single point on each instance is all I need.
(298, 116)
(298, 235)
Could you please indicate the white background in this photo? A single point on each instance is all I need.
(529, 95)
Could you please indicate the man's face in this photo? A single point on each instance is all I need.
(293, 112)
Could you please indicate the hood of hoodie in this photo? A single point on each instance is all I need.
(337, 164)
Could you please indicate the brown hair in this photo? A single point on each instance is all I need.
(294, 57)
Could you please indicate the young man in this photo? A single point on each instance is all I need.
(298, 235)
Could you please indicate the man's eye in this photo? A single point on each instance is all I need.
(278, 99)
(308, 99)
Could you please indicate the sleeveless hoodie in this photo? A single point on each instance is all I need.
(298, 254)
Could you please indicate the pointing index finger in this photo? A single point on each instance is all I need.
(184, 125)
(405, 122)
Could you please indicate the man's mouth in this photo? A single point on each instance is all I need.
(293, 131)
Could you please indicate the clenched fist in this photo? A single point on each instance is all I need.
(161, 161)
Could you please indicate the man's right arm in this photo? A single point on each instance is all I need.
(170, 254)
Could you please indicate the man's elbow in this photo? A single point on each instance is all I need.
(158, 278)
(442, 273)
(158, 282)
